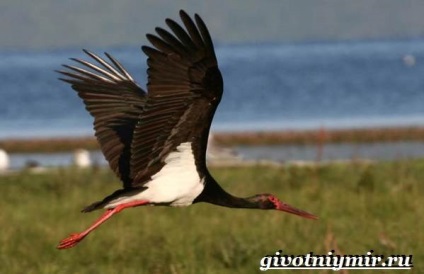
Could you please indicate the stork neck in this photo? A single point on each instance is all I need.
(213, 193)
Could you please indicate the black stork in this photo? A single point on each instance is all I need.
(156, 141)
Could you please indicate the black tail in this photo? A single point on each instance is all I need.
(94, 206)
(119, 193)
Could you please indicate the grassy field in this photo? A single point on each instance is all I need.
(361, 207)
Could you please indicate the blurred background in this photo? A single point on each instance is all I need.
(323, 106)
(287, 65)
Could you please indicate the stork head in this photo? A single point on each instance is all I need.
(269, 201)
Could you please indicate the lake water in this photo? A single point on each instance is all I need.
(267, 87)
(271, 86)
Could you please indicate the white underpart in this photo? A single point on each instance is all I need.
(177, 183)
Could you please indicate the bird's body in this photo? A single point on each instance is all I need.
(156, 141)
(181, 190)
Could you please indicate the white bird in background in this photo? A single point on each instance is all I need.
(4, 160)
(82, 158)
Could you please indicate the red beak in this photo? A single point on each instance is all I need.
(290, 209)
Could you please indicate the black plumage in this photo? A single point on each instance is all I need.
(141, 132)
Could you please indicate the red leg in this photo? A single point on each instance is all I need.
(75, 238)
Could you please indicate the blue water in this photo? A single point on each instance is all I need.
(276, 86)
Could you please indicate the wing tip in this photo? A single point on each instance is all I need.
(183, 13)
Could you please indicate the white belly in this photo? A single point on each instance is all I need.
(177, 183)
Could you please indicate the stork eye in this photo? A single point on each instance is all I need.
(273, 199)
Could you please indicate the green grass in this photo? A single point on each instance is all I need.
(360, 207)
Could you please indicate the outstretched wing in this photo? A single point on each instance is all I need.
(184, 89)
(136, 131)
(115, 101)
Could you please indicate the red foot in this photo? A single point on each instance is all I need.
(71, 241)
(75, 238)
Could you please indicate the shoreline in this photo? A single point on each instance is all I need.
(228, 139)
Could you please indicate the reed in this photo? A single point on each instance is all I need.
(319, 136)
(322, 135)
(48, 145)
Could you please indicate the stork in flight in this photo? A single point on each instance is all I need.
(156, 141)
